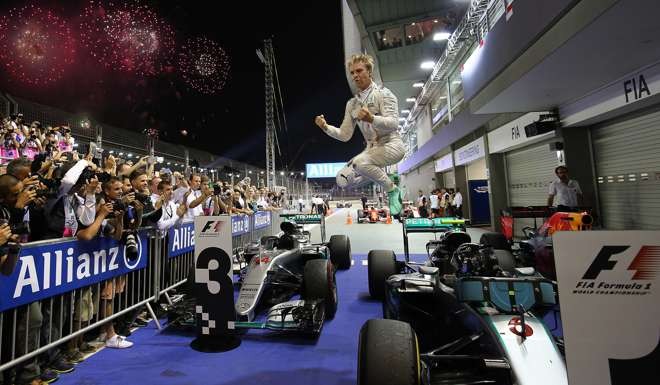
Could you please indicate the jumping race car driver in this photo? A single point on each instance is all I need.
(375, 111)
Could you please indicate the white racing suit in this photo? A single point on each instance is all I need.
(384, 145)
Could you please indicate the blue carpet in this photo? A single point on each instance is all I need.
(263, 358)
(166, 358)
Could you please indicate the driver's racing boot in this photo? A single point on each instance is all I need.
(394, 200)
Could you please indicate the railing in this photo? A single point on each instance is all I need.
(63, 288)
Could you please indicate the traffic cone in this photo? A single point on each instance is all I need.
(349, 218)
(389, 219)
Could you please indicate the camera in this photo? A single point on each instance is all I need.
(9, 141)
(217, 190)
(21, 228)
(118, 205)
(142, 198)
(86, 175)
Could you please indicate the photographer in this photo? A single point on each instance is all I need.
(9, 150)
(66, 141)
(112, 207)
(151, 213)
(32, 145)
(8, 249)
(73, 204)
(14, 200)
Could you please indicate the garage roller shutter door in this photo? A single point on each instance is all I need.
(529, 172)
(627, 159)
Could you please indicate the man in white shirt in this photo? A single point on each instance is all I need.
(421, 205)
(435, 205)
(458, 203)
(172, 212)
(565, 192)
(195, 198)
(301, 204)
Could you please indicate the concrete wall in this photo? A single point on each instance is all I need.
(423, 126)
(422, 178)
(477, 169)
(579, 160)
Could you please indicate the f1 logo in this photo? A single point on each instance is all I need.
(603, 262)
(646, 263)
(212, 226)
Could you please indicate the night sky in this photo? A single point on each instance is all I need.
(309, 51)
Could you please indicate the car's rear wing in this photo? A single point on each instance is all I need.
(307, 219)
(425, 225)
(433, 225)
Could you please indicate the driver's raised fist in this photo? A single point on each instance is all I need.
(320, 121)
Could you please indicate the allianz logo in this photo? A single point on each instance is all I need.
(61, 267)
(261, 220)
(241, 225)
(183, 237)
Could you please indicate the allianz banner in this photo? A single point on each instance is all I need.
(240, 224)
(180, 239)
(46, 270)
(261, 219)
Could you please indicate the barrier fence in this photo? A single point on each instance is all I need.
(63, 288)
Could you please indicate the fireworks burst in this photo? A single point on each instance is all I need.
(36, 46)
(127, 36)
(204, 65)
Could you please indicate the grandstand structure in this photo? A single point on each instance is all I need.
(126, 143)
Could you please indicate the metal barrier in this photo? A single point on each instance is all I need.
(59, 286)
(63, 288)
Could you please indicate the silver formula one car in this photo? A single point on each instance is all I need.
(468, 315)
(279, 267)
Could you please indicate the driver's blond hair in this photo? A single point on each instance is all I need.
(363, 58)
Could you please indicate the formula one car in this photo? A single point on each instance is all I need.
(373, 214)
(408, 211)
(465, 316)
(343, 204)
(536, 247)
(278, 267)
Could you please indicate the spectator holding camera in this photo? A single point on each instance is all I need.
(112, 208)
(65, 143)
(151, 212)
(10, 148)
(32, 145)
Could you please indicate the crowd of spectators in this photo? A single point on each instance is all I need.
(441, 202)
(49, 191)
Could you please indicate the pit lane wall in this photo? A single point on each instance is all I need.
(64, 283)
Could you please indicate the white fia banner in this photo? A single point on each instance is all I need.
(609, 293)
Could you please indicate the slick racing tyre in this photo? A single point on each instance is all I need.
(340, 251)
(381, 265)
(388, 354)
(319, 283)
(360, 214)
